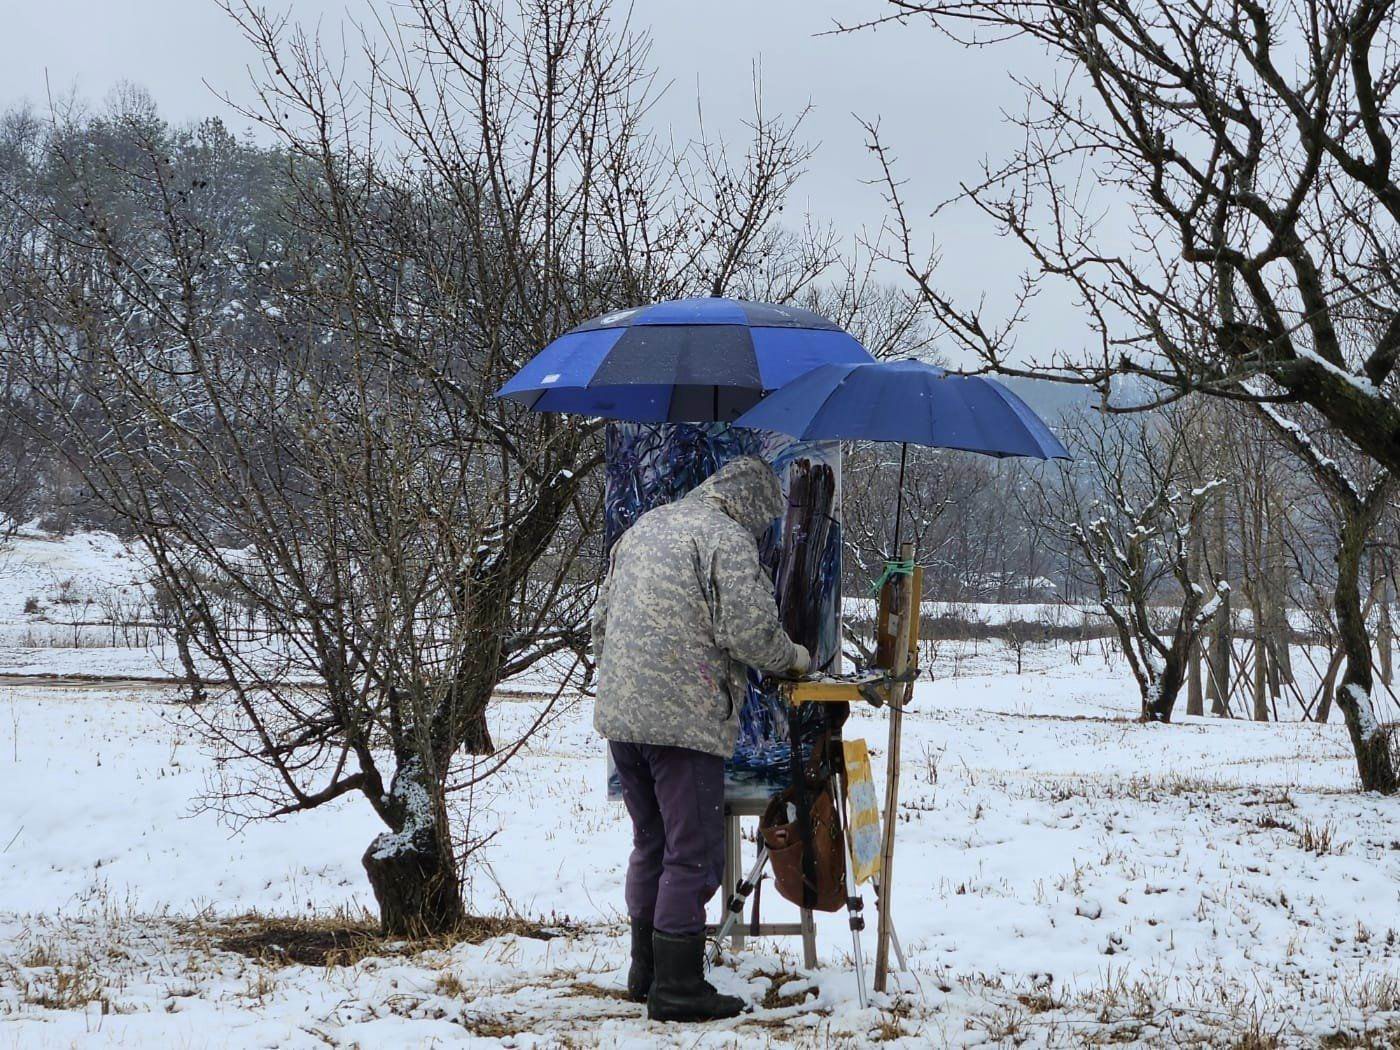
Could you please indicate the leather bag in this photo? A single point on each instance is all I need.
(824, 886)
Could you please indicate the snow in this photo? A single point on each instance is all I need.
(1053, 849)
(418, 812)
(1064, 875)
(1363, 385)
(39, 565)
(78, 588)
(988, 613)
(1366, 719)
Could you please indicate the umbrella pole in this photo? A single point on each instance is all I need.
(909, 597)
(899, 495)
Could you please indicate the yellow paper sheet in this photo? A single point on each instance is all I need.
(863, 831)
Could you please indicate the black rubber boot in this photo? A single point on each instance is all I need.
(679, 991)
(640, 975)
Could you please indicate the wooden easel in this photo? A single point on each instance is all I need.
(735, 902)
(899, 626)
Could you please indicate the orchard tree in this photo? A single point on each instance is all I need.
(1246, 151)
(1128, 504)
(305, 420)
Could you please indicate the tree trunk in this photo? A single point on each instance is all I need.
(1374, 762)
(1280, 631)
(1385, 636)
(1222, 651)
(194, 681)
(1261, 663)
(1329, 687)
(1274, 673)
(1195, 699)
(1222, 658)
(1159, 702)
(411, 868)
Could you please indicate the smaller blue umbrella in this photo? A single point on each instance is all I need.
(910, 402)
(687, 360)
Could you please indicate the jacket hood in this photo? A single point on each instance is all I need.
(747, 490)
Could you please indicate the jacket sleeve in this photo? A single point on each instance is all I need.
(743, 612)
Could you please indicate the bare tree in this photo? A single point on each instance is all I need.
(306, 421)
(21, 139)
(1123, 505)
(18, 451)
(1358, 506)
(1222, 651)
(1249, 147)
(870, 493)
(1258, 473)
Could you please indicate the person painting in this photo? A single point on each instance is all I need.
(685, 607)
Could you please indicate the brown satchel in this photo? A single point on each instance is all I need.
(824, 889)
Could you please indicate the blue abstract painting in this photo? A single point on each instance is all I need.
(649, 465)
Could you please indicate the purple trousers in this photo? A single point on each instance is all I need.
(675, 797)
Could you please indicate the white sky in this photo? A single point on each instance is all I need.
(940, 105)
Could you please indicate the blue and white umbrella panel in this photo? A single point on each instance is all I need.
(688, 360)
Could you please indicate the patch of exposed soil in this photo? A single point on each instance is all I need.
(340, 942)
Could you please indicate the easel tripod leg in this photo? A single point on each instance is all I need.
(855, 906)
(910, 591)
(855, 914)
(733, 857)
(734, 907)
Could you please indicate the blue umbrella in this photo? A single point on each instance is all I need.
(910, 402)
(687, 360)
(907, 401)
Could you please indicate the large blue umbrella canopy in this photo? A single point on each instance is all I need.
(687, 360)
(910, 402)
(906, 401)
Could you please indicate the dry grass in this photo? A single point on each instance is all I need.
(342, 940)
(1319, 839)
(495, 1027)
(1256, 1039)
(66, 987)
(1059, 789)
(1371, 1039)
(775, 998)
(597, 991)
(449, 985)
(1040, 1002)
(892, 1022)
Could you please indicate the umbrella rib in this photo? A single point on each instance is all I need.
(812, 431)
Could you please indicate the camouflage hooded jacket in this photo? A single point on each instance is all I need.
(684, 607)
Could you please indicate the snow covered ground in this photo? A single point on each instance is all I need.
(1065, 877)
(78, 605)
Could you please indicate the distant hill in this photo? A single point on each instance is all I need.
(1052, 400)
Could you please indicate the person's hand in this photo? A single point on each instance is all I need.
(802, 662)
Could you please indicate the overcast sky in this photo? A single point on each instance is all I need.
(940, 105)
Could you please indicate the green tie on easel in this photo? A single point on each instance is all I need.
(896, 567)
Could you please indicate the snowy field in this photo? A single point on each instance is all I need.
(77, 605)
(1065, 877)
